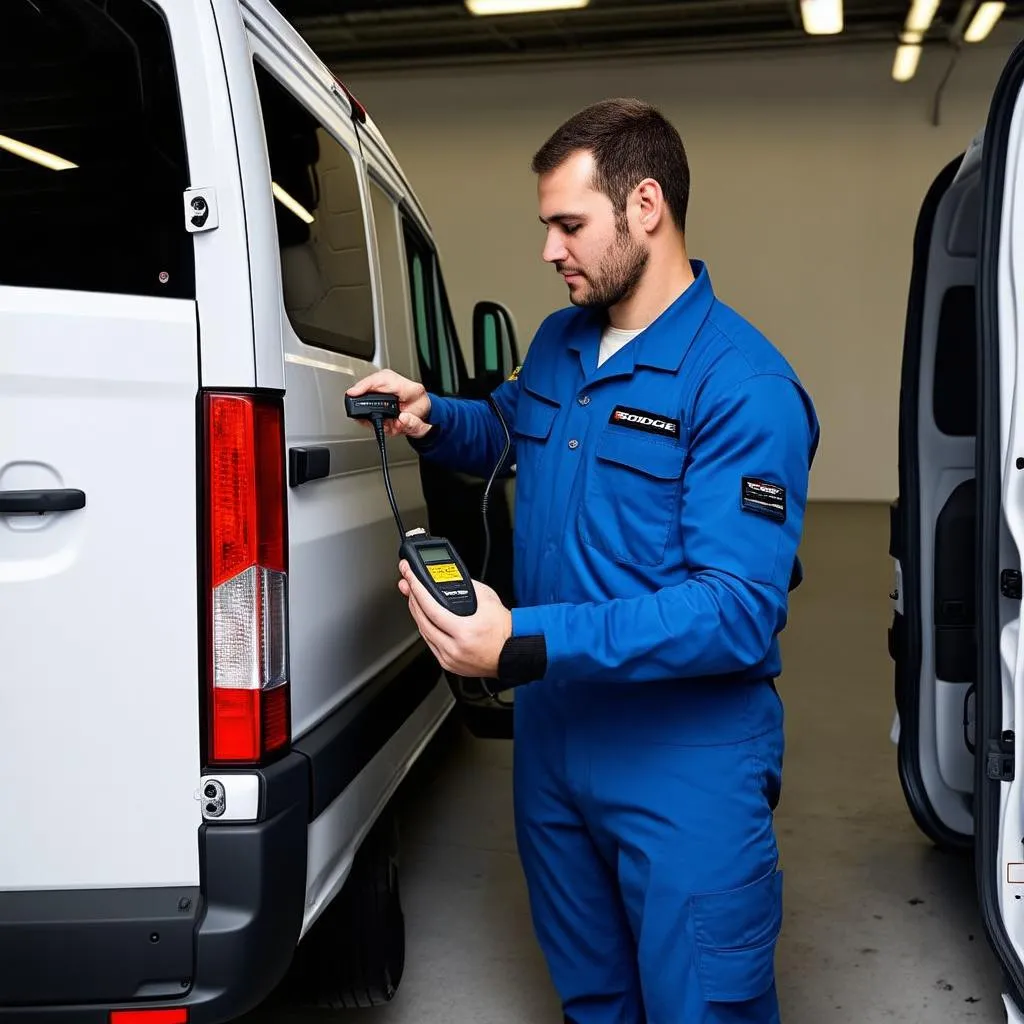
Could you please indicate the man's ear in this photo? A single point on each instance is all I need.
(651, 203)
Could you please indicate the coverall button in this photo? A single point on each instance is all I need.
(584, 399)
(574, 443)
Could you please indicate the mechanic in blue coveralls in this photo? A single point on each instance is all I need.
(663, 448)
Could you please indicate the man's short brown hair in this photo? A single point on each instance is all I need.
(630, 141)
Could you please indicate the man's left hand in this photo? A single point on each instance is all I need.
(468, 645)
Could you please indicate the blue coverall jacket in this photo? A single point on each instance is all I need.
(659, 506)
(646, 545)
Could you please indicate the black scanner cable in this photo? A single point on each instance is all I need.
(377, 419)
(487, 490)
(389, 410)
(487, 527)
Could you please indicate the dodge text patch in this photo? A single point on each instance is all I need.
(650, 422)
(764, 498)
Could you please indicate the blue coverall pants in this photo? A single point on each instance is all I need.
(649, 849)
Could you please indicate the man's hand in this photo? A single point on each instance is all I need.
(413, 402)
(466, 645)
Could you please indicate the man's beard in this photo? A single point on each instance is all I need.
(618, 275)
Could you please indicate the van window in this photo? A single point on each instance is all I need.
(421, 311)
(321, 226)
(446, 334)
(440, 361)
(397, 325)
(92, 151)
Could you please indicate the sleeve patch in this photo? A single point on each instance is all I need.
(764, 498)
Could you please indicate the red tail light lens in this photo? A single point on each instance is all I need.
(248, 592)
(172, 1016)
(270, 488)
(231, 485)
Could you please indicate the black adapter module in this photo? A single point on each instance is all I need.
(367, 406)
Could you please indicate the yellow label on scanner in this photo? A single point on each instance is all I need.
(445, 572)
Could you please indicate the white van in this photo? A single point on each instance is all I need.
(958, 525)
(210, 687)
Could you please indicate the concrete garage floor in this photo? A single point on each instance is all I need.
(879, 926)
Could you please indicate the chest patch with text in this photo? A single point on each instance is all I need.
(649, 422)
(764, 498)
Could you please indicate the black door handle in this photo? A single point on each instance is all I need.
(40, 502)
(307, 464)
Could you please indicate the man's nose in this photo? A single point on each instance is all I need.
(554, 250)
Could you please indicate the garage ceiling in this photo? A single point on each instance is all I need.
(384, 34)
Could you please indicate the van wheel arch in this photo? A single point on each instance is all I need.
(354, 955)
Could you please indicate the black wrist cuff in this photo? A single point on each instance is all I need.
(523, 659)
(426, 442)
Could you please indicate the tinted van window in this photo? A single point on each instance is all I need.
(436, 339)
(321, 227)
(92, 151)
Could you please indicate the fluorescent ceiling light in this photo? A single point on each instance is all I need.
(921, 15)
(904, 67)
(37, 156)
(822, 17)
(292, 204)
(484, 7)
(983, 22)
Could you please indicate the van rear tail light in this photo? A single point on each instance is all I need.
(248, 578)
(170, 1016)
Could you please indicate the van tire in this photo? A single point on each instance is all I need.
(354, 956)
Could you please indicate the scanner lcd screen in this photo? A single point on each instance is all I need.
(436, 553)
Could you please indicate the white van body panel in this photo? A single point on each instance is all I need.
(224, 292)
(97, 392)
(245, 129)
(1013, 1014)
(347, 620)
(336, 835)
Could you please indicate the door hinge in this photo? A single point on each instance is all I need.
(201, 209)
(999, 763)
(1010, 583)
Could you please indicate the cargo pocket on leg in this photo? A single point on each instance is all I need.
(735, 935)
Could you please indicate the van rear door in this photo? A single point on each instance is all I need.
(933, 522)
(99, 378)
(999, 779)
(958, 536)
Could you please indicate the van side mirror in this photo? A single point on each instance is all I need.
(495, 349)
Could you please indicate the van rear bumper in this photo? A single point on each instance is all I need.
(219, 949)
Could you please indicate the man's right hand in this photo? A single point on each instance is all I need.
(413, 402)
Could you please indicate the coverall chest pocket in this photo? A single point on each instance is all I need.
(534, 418)
(631, 498)
(532, 428)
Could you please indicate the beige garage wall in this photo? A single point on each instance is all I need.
(808, 169)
